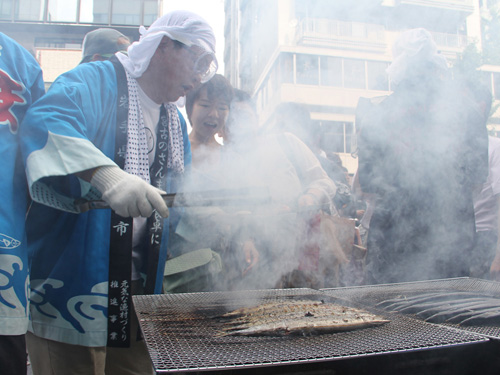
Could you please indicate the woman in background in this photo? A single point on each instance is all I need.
(207, 108)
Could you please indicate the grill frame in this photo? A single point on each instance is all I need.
(180, 334)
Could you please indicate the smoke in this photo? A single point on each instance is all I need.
(422, 147)
(257, 170)
(422, 151)
(259, 179)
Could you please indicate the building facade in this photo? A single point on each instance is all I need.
(53, 30)
(327, 54)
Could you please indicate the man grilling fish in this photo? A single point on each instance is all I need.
(89, 139)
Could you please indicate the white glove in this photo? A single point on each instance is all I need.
(128, 195)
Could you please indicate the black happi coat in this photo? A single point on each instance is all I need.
(421, 151)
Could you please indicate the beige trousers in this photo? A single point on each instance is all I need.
(50, 357)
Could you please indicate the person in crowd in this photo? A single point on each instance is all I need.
(366, 202)
(337, 171)
(21, 83)
(102, 44)
(107, 131)
(422, 149)
(295, 119)
(195, 245)
(207, 109)
(364, 104)
(486, 254)
(299, 189)
(484, 262)
(355, 272)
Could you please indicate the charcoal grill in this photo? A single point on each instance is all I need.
(371, 295)
(182, 337)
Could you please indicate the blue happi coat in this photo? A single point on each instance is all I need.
(21, 83)
(73, 129)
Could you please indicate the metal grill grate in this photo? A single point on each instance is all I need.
(182, 334)
(372, 294)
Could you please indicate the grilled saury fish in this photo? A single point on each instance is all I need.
(464, 308)
(296, 317)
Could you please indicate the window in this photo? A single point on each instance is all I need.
(59, 43)
(485, 79)
(348, 134)
(333, 136)
(336, 136)
(62, 10)
(126, 13)
(92, 11)
(354, 74)
(5, 9)
(331, 71)
(150, 12)
(123, 12)
(29, 10)
(377, 77)
(307, 70)
(286, 68)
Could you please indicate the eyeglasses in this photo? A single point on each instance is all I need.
(205, 64)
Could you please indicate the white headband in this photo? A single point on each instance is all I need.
(183, 26)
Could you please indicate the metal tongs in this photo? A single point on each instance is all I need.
(243, 197)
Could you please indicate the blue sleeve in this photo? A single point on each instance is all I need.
(69, 130)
